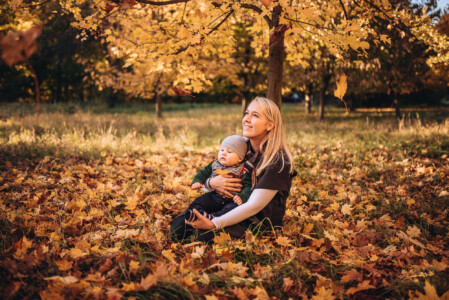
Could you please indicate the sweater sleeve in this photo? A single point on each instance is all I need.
(256, 202)
(203, 174)
(246, 187)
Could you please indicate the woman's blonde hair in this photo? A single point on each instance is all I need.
(273, 145)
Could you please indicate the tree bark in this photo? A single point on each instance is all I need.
(158, 104)
(326, 80)
(308, 103)
(276, 55)
(37, 90)
(308, 100)
(397, 109)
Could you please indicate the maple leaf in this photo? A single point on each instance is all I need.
(283, 241)
(323, 294)
(168, 254)
(132, 286)
(182, 92)
(342, 86)
(430, 293)
(288, 283)
(18, 47)
(352, 275)
(66, 280)
(266, 3)
(413, 231)
(21, 247)
(365, 285)
(149, 281)
(64, 265)
(346, 209)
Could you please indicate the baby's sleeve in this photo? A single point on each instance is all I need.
(203, 174)
(246, 187)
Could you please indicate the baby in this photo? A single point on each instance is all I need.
(229, 162)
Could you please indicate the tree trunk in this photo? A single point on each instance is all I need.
(326, 80)
(397, 109)
(158, 104)
(308, 103)
(276, 55)
(308, 99)
(37, 90)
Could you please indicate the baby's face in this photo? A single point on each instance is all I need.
(227, 157)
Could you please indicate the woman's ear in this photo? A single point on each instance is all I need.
(270, 126)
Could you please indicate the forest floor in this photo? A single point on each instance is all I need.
(86, 198)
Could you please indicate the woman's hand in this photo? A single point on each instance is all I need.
(201, 222)
(225, 184)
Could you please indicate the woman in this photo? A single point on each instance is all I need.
(272, 170)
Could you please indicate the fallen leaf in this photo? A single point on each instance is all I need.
(18, 47)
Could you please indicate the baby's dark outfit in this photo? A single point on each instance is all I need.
(214, 203)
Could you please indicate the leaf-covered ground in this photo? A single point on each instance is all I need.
(364, 220)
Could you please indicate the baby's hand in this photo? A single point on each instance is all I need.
(196, 185)
(237, 200)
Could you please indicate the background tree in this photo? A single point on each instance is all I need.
(59, 67)
(189, 25)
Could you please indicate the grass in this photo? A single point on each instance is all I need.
(72, 175)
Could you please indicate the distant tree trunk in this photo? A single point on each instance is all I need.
(276, 55)
(37, 90)
(397, 109)
(58, 82)
(158, 91)
(308, 100)
(158, 105)
(326, 80)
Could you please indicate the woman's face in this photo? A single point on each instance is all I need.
(255, 123)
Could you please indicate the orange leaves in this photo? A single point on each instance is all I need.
(18, 47)
(182, 92)
(101, 228)
(342, 86)
(365, 285)
(21, 247)
(351, 275)
(266, 3)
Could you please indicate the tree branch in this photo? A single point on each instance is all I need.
(249, 6)
(344, 9)
(161, 3)
(212, 30)
(310, 24)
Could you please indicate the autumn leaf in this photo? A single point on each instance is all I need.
(283, 241)
(365, 285)
(149, 281)
(168, 254)
(323, 294)
(288, 283)
(182, 92)
(430, 293)
(21, 247)
(352, 275)
(266, 3)
(65, 280)
(132, 286)
(64, 265)
(18, 47)
(346, 209)
(342, 86)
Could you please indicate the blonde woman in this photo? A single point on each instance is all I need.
(272, 169)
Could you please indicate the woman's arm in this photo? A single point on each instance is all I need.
(224, 184)
(257, 201)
